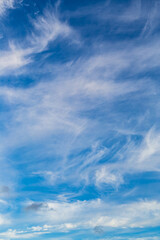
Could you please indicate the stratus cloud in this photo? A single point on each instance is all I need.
(14, 234)
(30, 232)
(89, 214)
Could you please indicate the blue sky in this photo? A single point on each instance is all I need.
(79, 120)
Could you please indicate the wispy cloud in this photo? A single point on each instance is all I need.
(56, 108)
(141, 14)
(6, 4)
(135, 159)
(46, 28)
(13, 59)
(79, 115)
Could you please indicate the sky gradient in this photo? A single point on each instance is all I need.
(80, 120)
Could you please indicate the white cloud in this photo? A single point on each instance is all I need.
(63, 116)
(104, 175)
(28, 233)
(53, 109)
(57, 108)
(65, 216)
(6, 4)
(4, 219)
(135, 159)
(54, 106)
(14, 234)
(3, 202)
(13, 59)
(47, 28)
(142, 15)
